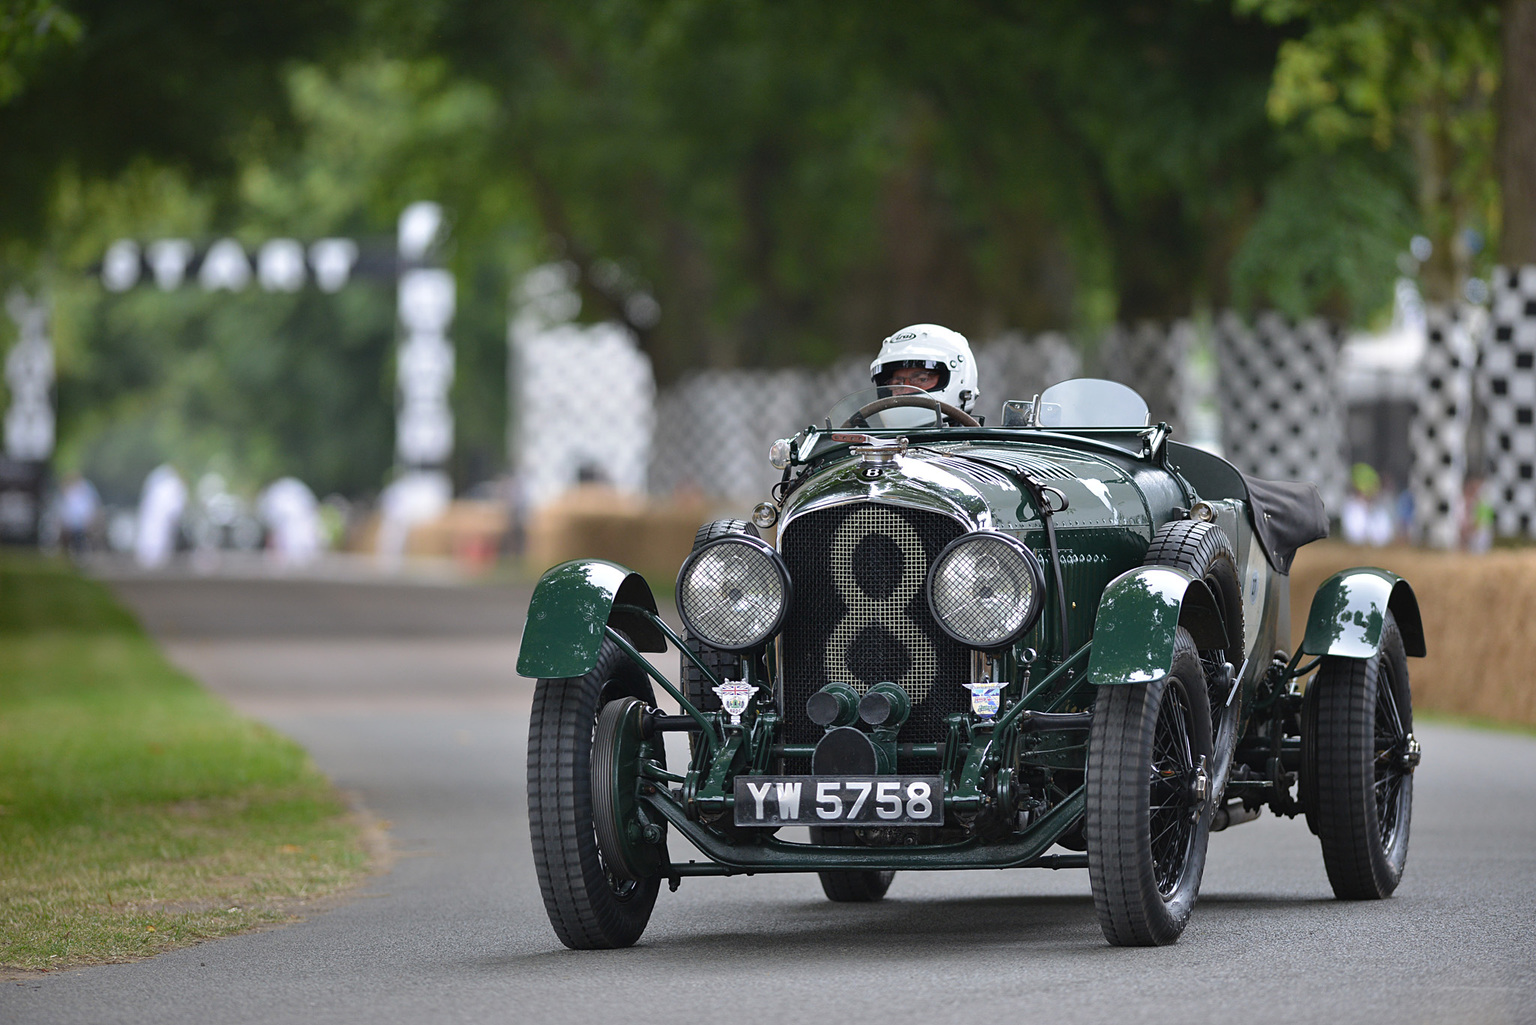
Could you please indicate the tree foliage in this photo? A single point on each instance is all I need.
(1417, 74)
(29, 31)
(789, 180)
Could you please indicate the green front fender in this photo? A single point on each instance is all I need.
(571, 605)
(1350, 609)
(1138, 620)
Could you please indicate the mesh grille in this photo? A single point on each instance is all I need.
(859, 614)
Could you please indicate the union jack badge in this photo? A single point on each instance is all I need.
(735, 695)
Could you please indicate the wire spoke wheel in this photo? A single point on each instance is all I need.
(1392, 742)
(1148, 808)
(1359, 755)
(1172, 807)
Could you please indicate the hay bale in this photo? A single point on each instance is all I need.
(1478, 610)
(597, 522)
(470, 531)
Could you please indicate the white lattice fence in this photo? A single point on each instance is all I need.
(1012, 368)
(584, 406)
(1280, 417)
(1152, 358)
(1509, 392)
(713, 428)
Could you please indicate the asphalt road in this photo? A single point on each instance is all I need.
(407, 696)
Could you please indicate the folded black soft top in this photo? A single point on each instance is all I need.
(1285, 514)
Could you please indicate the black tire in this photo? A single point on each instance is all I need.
(1146, 828)
(1357, 770)
(695, 686)
(589, 907)
(1204, 551)
(850, 885)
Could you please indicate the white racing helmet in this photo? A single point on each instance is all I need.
(931, 347)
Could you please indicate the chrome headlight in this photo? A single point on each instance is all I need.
(985, 589)
(732, 592)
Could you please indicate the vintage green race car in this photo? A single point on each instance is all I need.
(971, 644)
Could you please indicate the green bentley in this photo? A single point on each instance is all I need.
(1057, 641)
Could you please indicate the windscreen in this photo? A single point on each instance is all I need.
(1090, 402)
(883, 408)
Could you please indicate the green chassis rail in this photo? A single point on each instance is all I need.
(720, 754)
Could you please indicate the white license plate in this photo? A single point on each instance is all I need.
(839, 800)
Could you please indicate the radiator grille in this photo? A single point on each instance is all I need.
(860, 614)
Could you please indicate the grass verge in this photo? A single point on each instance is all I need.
(138, 812)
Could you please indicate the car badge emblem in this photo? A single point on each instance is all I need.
(986, 697)
(735, 695)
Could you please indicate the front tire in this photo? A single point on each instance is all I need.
(1358, 757)
(1148, 801)
(589, 905)
(1204, 551)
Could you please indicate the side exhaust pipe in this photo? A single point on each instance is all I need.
(1232, 813)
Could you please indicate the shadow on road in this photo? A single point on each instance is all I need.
(807, 933)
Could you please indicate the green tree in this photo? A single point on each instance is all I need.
(794, 179)
(181, 82)
(258, 384)
(790, 180)
(1421, 74)
(29, 31)
(1517, 135)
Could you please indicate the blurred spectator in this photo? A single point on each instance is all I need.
(1476, 517)
(335, 520)
(160, 507)
(211, 522)
(1404, 513)
(409, 501)
(292, 516)
(79, 513)
(1367, 517)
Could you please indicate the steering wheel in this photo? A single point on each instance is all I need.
(956, 416)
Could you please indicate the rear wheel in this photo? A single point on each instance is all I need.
(850, 885)
(591, 904)
(1148, 802)
(1204, 551)
(1358, 758)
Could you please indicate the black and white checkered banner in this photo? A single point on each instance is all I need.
(1508, 378)
(1280, 416)
(1442, 418)
(29, 419)
(277, 265)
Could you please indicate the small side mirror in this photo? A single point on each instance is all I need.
(1018, 413)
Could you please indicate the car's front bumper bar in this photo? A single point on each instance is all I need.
(770, 854)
